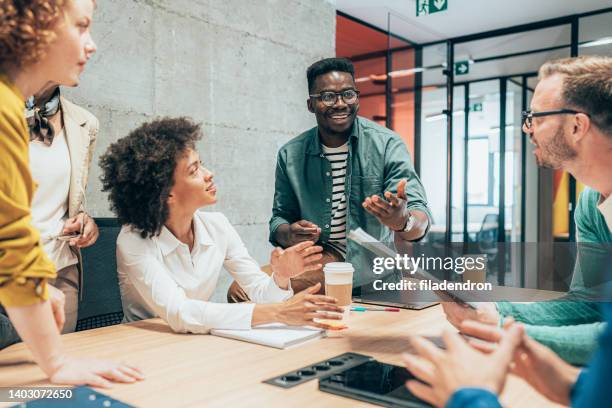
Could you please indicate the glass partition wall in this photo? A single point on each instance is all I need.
(457, 105)
(384, 74)
(492, 69)
(433, 146)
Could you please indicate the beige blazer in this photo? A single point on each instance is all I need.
(81, 130)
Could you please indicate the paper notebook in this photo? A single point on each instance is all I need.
(273, 335)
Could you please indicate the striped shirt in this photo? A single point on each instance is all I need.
(337, 158)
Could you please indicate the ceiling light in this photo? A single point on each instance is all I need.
(392, 74)
(442, 116)
(434, 118)
(380, 77)
(495, 129)
(405, 72)
(596, 43)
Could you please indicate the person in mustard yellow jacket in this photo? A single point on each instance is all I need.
(62, 141)
(40, 42)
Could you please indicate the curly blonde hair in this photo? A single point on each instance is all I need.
(26, 29)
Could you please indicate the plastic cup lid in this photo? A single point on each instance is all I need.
(339, 267)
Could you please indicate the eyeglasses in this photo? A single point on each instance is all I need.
(329, 98)
(528, 115)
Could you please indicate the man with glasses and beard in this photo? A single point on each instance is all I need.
(345, 173)
(570, 123)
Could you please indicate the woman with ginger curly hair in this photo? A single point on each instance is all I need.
(41, 42)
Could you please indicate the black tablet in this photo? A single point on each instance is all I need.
(374, 382)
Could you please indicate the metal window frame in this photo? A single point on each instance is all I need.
(572, 20)
(572, 181)
(450, 89)
(466, 145)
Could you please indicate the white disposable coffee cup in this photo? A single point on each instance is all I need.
(338, 273)
(475, 273)
(339, 283)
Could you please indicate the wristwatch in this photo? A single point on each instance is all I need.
(409, 223)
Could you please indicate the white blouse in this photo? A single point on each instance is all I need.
(50, 166)
(159, 276)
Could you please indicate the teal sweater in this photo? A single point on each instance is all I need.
(571, 328)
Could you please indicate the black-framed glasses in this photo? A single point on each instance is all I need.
(528, 115)
(329, 98)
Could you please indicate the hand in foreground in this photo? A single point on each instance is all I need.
(303, 231)
(97, 373)
(456, 313)
(86, 228)
(36, 326)
(57, 299)
(443, 372)
(391, 212)
(304, 307)
(535, 363)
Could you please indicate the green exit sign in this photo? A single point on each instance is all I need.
(425, 7)
(477, 107)
(462, 67)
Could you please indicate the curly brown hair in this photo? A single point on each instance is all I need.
(138, 171)
(27, 28)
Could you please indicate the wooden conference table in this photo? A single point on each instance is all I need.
(185, 370)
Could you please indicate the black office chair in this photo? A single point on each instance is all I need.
(486, 238)
(101, 304)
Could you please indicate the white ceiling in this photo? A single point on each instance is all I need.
(465, 17)
(462, 17)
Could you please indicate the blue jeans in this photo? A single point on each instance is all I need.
(8, 334)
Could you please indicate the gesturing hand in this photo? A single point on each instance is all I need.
(303, 231)
(295, 260)
(535, 363)
(391, 212)
(456, 313)
(442, 372)
(304, 307)
(86, 228)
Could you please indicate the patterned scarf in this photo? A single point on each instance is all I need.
(36, 117)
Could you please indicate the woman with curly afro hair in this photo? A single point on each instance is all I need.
(41, 42)
(170, 253)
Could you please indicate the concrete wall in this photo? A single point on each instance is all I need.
(236, 66)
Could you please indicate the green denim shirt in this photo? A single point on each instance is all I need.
(377, 161)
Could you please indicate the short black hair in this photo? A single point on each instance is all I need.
(138, 171)
(328, 65)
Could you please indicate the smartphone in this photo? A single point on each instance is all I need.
(68, 237)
